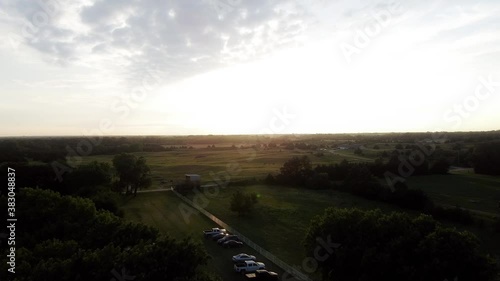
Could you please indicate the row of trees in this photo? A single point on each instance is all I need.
(360, 180)
(67, 238)
(396, 246)
(298, 170)
(100, 182)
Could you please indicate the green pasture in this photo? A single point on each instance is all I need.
(479, 193)
(163, 211)
(282, 216)
(238, 163)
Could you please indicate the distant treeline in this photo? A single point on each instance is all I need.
(471, 149)
(363, 179)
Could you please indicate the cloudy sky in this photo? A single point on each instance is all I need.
(179, 67)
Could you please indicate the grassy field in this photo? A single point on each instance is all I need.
(278, 222)
(240, 163)
(282, 216)
(161, 210)
(478, 193)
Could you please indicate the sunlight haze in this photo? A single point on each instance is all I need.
(184, 67)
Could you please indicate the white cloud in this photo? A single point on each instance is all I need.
(88, 52)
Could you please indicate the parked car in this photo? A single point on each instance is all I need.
(242, 257)
(227, 238)
(215, 230)
(248, 266)
(218, 236)
(232, 244)
(263, 275)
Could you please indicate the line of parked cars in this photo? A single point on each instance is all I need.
(223, 238)
(253, 270)
(243, 263)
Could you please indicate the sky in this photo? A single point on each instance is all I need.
(187, 67)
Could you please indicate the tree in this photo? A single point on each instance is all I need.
(296, 170)
(242, 203)
(66, 238)
(132, 171)
(440, 166)
(89, 175)
(361, 182)
(395, 246)
(486, 158)
(10, 151)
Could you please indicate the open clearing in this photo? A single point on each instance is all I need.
(161, 210)
(467, 190)
(282, 216)
(240, 163)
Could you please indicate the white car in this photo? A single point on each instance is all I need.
(248, 266)
(213, 231)
(243, 257)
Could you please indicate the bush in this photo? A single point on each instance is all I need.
(270, 179)
(318, 181)
(440, 166)
(414, 199)
(242, 203)
(453, 214)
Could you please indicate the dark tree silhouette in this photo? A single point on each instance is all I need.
(132, 171)
(486, 158)
(395, 246)
(296, 170)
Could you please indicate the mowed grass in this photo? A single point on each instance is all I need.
(161, 210)
(278, 223)
(283, 214)
(479, 193)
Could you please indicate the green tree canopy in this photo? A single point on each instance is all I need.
(395, 246)
(296, 170)
(132, 171)
(66, 238)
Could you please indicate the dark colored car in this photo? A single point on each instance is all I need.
(218, 236)
(228, 238)
(265, 275)
(232, 244)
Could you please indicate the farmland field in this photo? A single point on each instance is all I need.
(250, 163)
(283, 214)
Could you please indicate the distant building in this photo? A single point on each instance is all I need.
(193, 178)
(191, 181)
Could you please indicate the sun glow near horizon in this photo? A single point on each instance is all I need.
(314, 84)
(336, 67)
